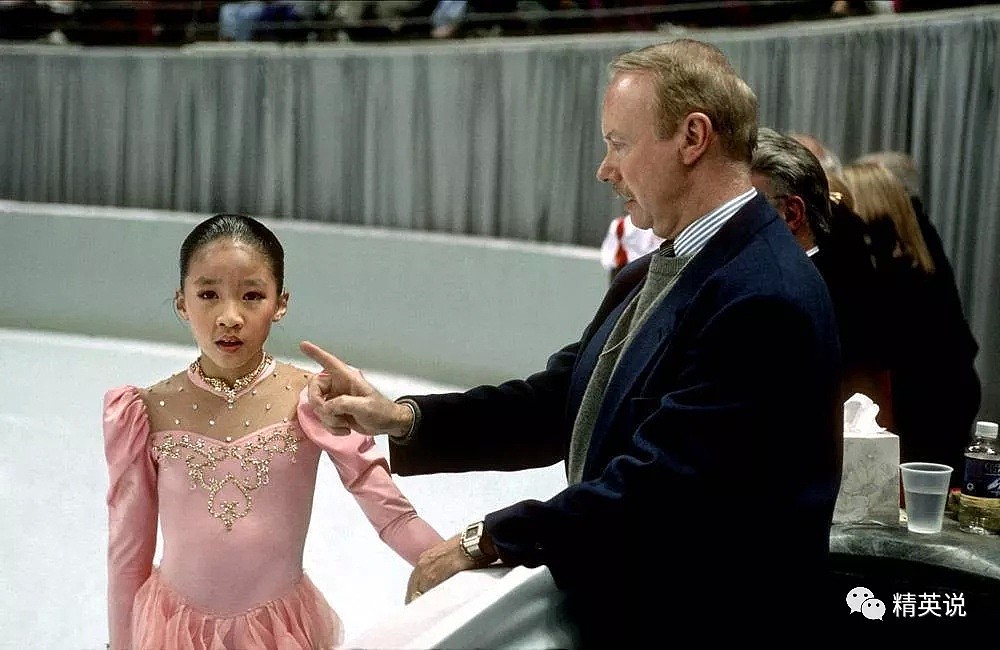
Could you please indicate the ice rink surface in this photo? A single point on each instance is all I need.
(53, 478)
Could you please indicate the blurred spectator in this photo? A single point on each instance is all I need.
(882, 201)
(793, 180)
(841, 8)
(140, 22)
(447, 17)
(256, 20)
(624, 242)
(827, 158)
(459, 18)
(932, 5)
(389, 19)
(843, 202)
(29, 20)
(112, 23)
(839, 192)
(176, 22)
(936, 390)
(638, 21)
(901, 165)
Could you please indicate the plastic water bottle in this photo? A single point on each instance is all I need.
(979, 503)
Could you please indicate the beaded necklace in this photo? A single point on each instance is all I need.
(230, 391)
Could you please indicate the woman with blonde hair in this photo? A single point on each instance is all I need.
(881, 199)
(935, 389)
(839, 192)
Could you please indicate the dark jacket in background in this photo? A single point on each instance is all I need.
(936, 390)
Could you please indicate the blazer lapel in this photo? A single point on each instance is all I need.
(592, 350)
(654, 336)
(624, 287)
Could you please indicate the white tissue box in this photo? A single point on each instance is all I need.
(869, 487)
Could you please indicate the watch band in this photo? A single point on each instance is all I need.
(469, 541)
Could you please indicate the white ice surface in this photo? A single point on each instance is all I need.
(53, 479)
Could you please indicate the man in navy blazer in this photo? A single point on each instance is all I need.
(699, 414)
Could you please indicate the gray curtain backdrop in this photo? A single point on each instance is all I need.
(497, 138)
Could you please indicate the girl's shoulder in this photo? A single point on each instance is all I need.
(130, 415)
(139, 403)
(130, 392)
(297, 378)
(171, 386)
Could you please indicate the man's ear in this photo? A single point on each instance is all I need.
(795, 213)
(698, 133)
(179, 306)
(282, 307)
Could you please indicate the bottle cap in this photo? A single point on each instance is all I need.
(986, 429)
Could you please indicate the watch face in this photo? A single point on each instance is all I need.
(470, 540)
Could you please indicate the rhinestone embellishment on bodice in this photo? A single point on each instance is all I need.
(203, 458)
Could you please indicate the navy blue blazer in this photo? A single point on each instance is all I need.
(721, 424)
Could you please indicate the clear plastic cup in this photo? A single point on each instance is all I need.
(925, 493)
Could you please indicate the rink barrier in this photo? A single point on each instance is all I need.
(455, 309)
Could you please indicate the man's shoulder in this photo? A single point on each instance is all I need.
(770, 264)
(770, 246)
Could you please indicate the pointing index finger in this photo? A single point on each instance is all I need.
(330, 363)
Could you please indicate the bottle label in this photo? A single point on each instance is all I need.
(982, 478)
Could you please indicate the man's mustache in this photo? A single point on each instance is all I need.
(623, 192)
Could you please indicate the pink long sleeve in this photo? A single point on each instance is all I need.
(364, 471)
(132, 506)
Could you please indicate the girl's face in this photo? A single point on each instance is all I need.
(230, 298)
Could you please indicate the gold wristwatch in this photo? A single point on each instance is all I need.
(470, 539)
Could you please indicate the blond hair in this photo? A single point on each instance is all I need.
(899, 163)
(839, 191)
(691, 76)
(879, 195)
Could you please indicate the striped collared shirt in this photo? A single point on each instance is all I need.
(694, 237)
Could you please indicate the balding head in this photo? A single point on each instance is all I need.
(828, 159)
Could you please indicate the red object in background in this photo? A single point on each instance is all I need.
(621, 256)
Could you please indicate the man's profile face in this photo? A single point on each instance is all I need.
(643, 168)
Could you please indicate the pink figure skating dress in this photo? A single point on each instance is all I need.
(232, 483)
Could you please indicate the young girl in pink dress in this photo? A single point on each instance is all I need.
(225, 454)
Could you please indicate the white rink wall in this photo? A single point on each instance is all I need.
(453, 309)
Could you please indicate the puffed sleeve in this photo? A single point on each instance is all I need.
(364, 471)
(132, 506)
